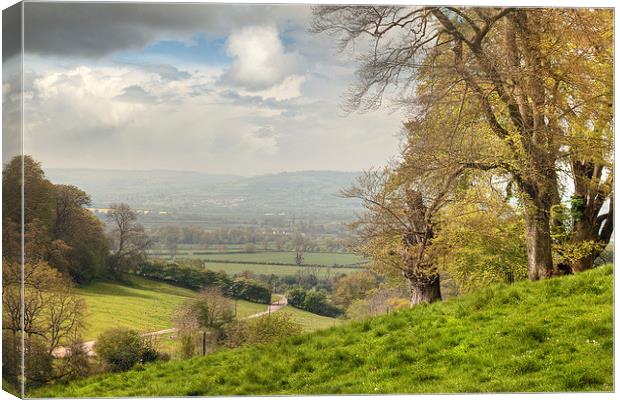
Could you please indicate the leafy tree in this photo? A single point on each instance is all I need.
(57, 228)
(81, 232)
(481, 239)
(538, 81)
(353, 287)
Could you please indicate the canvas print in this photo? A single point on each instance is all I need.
(218, 199)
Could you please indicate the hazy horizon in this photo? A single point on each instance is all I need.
(303, 171)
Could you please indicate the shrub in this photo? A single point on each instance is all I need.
(314, 301)
(76, 365)
(260, 330)
(38, 363)
(121, 349)
(187, 345)
(296, 297)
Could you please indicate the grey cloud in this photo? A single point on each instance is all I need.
(265, 132)
(200, 90)
(136, 94)
(240, 99)
(11, 32)
(97, 29)
(166, 71)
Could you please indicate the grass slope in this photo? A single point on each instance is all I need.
(311, 322)
(144, 305)
(553, 335)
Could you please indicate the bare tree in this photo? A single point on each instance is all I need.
(210, 310)
(50, 315)
(128, 239)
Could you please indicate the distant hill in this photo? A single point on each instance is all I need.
(554, 335)
(199, 194)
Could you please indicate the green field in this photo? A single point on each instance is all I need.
(279, 270)
(286, 257)
(145, 305)
(241, 262)
(551, 335)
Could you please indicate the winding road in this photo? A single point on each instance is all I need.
(62, 351)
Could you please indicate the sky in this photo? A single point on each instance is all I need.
(216, 88)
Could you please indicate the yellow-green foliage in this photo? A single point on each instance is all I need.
(481, 241)
(260, 330)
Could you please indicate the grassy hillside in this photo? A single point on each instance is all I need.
(145, 305)
(554, 335)
(311, 322)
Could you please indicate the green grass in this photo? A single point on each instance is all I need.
(552, 335)
(279, 270)
(311, 322)
(144, 305)
(246, 308)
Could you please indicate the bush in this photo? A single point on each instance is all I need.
(187, 345)
(76, 365)
(260, 330)
(314, 301)
(120, 349)
(296, 297)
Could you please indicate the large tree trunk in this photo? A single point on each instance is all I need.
(427, 291)
(590, 224)
(538, 241)
(598, 230)
(583, 231)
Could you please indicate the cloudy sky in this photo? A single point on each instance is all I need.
(242, 89)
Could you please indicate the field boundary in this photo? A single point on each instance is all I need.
(356, 265)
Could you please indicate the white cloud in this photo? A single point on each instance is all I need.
(288, 89)
(261, 61)
(107, 115)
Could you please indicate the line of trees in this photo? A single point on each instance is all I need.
(516, 101)
(169, 237)
(197, 278)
